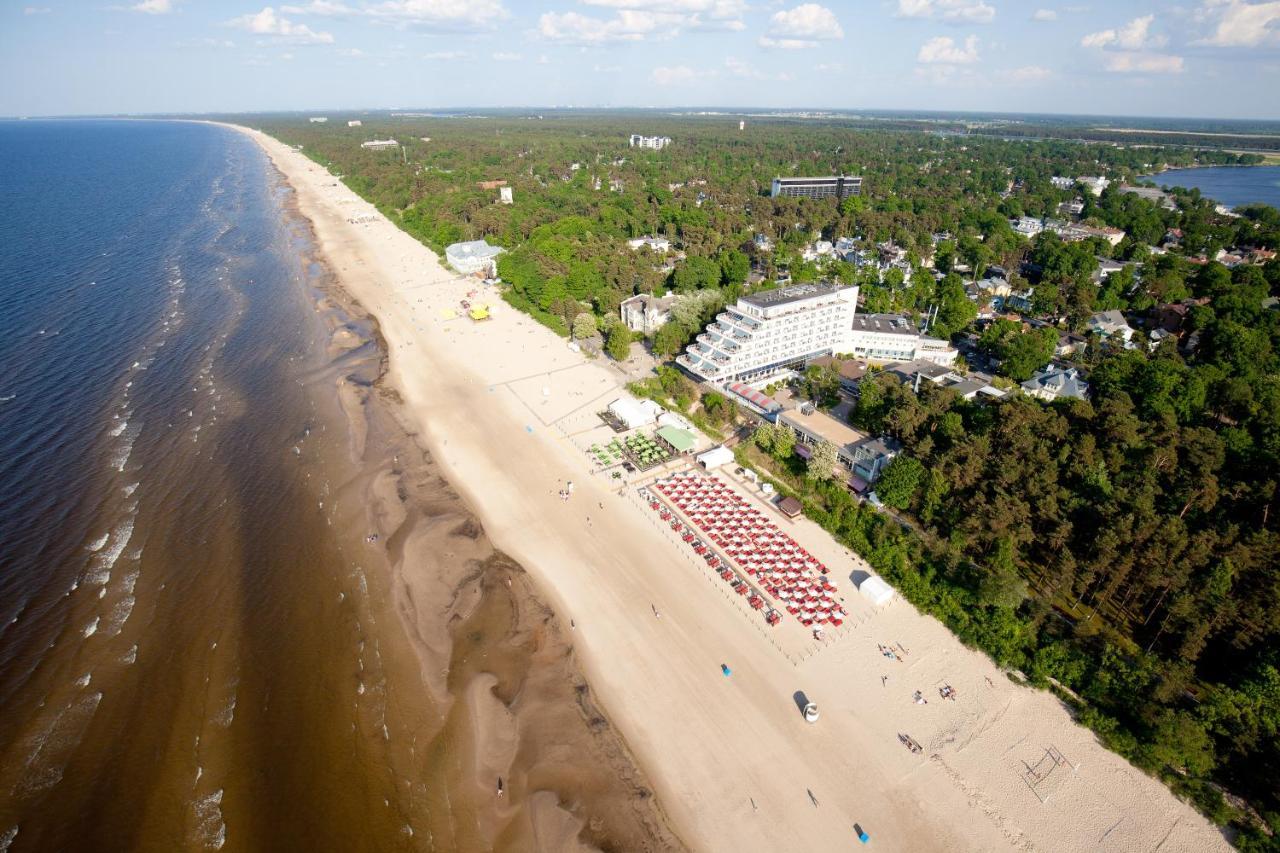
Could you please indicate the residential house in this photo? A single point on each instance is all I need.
(871, 457)
(1056, 383)
(661, 245)
(1069, 344)
(1094, 185)
(1111, 324)
(1027, 226)
(473, 256)
(647, 313)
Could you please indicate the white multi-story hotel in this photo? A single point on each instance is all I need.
(380, 144)
(655, 142)
(892, 337)
(766, 333)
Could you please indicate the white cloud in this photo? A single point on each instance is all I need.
(325, 8)
(1144, 63)
(808, 21)
(697, 14)
(1030, 74)
(786, 44)
(673, 75)
(829, 66)
(36, 10)
(268, 23)
(350, 52)
(606, 69)
(1044, 15)
(943, 50)
(1135, 35)
(501, 56)
(286, 56)
(451, 15)
(951, 11)
(153, 7)
(626, 25)
(1240, 24)
(447, 54)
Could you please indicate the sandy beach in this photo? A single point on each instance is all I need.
(506, 408)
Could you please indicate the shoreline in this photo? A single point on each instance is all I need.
(487, 717)
(729, 759)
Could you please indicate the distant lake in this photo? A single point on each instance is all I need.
(1230, 185)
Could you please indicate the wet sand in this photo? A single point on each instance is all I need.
(508, 695)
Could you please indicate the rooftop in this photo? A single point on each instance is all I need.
(791, 293)
(473, 249)
(824, 427)
(890, 324)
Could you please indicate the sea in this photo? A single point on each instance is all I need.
(240, 608)
(1230, 185)
(189, 657)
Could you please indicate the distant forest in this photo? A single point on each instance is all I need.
(1123, 549)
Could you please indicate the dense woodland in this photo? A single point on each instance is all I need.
(1123, 548)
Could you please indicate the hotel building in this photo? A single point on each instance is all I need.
(832, 186)
(768, 332)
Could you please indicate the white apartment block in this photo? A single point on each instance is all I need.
(355, 122)
(657, 143)
(380, 144)
(768, 332)
(318, 119)
(891, 337)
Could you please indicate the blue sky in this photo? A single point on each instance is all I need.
(1127, 57)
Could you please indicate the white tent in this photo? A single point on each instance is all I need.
(673, 420)
(876, 590)
(715, 457)
(635, 413)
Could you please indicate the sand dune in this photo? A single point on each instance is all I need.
(734, 764)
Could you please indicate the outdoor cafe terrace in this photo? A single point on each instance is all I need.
(779, 566)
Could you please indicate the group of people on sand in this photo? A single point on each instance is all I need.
(946, 691)
(889, 652)
(910, 743)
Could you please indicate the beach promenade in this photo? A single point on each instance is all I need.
(735, 765)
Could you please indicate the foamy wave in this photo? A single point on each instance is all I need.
(120, 615)
(91, 628)
(96, 545)
(83, 681)
(118, 428)
(100, 571)
(53, 747)
(210, 828)
(7, 839)
(130, 489)
(130, 656)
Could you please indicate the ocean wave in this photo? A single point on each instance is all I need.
(83, 681)
(99, 571)
(119, 615)
(130, 656)
(52, 748)
(91, 628)
(96, 544)
(210, 828)
(7, 839)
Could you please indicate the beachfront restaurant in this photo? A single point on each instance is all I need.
(679, 441)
